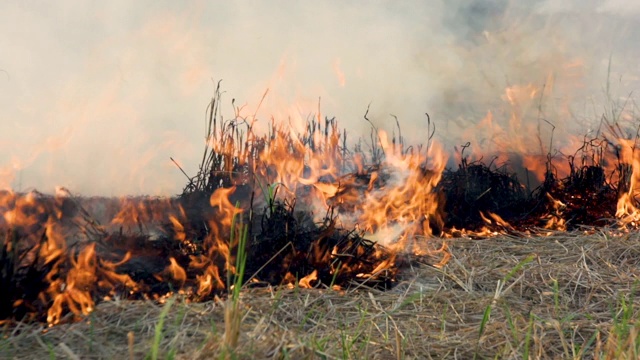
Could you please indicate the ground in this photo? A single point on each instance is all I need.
(566, 295)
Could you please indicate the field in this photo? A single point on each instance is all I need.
(567, 295)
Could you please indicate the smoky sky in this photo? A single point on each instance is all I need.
(96, 96)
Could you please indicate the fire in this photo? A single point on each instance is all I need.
(75, 290)
(555, 218)
(627, 208)
(209, 279)
(174, 272)
(293, 163)
(136, 214)
(393, 208)
(305, 282)
(407, 203)
(313, 212)
(492, 219)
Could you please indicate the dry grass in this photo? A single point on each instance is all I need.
(574, 299)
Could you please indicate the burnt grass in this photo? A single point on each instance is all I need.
(586, 198)
(285, 244)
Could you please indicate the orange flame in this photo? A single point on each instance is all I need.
(75, 290)
(305, 282)
(627, 210)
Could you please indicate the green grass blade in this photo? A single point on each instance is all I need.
(517, 268)
(155, 348)
(527, 338)
(485, 319)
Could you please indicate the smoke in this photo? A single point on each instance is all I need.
(97, 96)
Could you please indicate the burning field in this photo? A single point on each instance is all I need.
(298, 245)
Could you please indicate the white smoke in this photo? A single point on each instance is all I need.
(97, 96)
